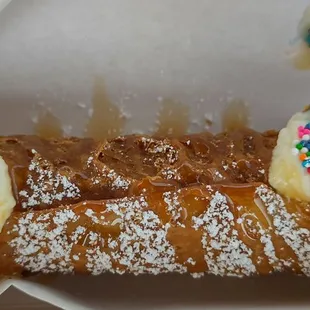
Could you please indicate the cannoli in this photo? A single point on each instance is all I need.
(227, 230)
(52, 172)
(232, 204)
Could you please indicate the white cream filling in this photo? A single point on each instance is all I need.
(7, 201)
(286, 173)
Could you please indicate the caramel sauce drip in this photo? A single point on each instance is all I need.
(48, 125)
(105, 121)
(173, 119)
(235, 115)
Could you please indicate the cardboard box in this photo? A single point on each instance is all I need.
(57, 56)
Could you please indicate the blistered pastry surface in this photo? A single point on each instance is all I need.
(47, 173)
(198, 204)
(238, 230)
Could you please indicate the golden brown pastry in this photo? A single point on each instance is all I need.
(237, 230)
(52, 172)
(202, 204)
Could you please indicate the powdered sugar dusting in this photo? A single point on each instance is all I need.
(104, 175)
(173, 207)
(197, 275)
(98, 261)
(225, 253)
(170, 174)
(296, 237)
(270, 251)
(46, 186)
(47, 243)
(265, 238)
(118, 181)
(90, 213)
(38, 248)
(160, 146)
(191, 261)
(142, 245)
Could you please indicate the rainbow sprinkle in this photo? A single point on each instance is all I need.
(302, 146)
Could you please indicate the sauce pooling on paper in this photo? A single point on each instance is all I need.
(105, 121)
(235, 115)
(173, 119)
(48, 125)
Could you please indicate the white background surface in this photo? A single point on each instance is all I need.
(51, 51)
(215, 50)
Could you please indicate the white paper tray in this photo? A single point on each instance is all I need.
(203, 53)
(163, 292)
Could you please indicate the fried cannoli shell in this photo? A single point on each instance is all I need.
(47, 173)
(227, 230)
